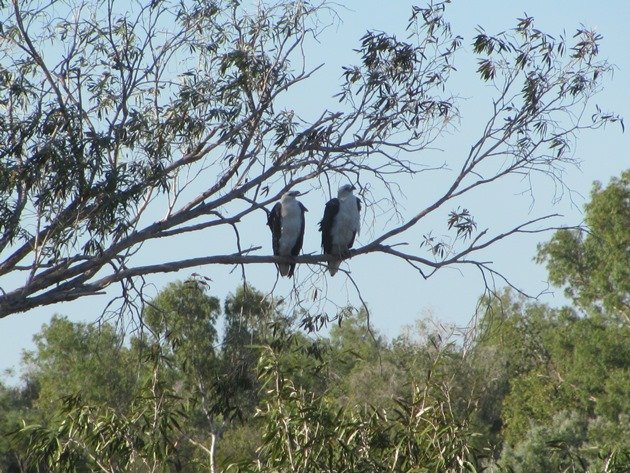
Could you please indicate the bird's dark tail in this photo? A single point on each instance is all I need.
(333, 266)
(286, 269)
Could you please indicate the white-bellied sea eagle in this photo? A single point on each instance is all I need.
(286, 221)
(340, 225)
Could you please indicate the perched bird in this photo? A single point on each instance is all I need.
(340, 225)
(286, 221)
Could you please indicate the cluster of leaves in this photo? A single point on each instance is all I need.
(594, 266)
(83, 435)
(399, 79)
(563, 390)
(307, 432)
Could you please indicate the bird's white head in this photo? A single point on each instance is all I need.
(291, 194)
(345, 190)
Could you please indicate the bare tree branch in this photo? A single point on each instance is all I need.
(185, 110)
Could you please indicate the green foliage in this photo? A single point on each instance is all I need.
(526, 389)
(239, 443)
(353, 336)
(305, 432)
(377, 417)
(565, 395)
(15, 408)
(82, 358)
(251, 319)
(567, 400)
(90, 437)
(594, 266)
(551, 446)
(170, 373)
(182, 320)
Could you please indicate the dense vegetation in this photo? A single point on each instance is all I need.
(245, 388)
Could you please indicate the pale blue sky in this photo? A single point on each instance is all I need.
(395, 294)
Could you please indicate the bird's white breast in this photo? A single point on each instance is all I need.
(291, 225)
(346, 224)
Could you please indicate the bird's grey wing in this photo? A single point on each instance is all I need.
(274, 220)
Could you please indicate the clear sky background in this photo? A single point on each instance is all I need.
(395, 294)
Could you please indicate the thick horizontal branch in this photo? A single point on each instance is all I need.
(20, 301)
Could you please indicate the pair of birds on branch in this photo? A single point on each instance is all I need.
(339, 227)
